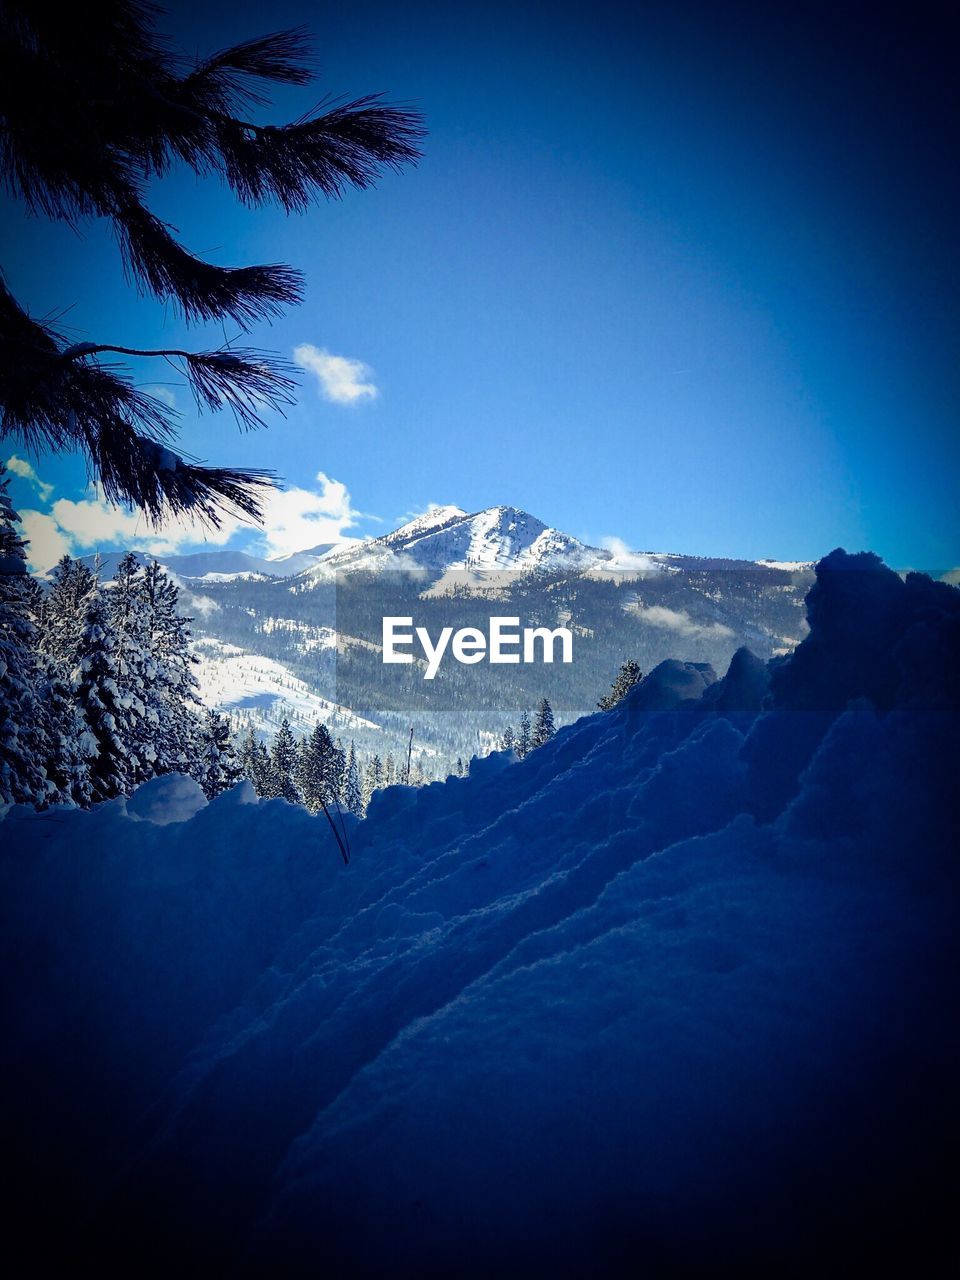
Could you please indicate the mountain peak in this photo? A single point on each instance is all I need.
(427, 522)
(447, 539)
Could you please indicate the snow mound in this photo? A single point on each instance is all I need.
(170, 798)
(674, 995)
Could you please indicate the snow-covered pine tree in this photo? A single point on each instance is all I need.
(139, 678)
(543, 726)
(389, 770)
(628, 675)
(22, 745)
(458, 767)
(170, 673)
(321, 767)
(97, 692)
(507, 741)
(64, 611)
(372, 779)
(283, 763)
(522, 741)
(300, 765)
(419, 775)
(254, 762)
(352, 789)
(338, 771)
(218, 767)
(70, 747)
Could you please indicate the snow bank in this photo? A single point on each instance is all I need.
(672, 995)
(171, 798)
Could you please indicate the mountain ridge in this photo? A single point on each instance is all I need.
(446, 539)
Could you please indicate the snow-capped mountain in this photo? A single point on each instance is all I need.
(299, 636)
(447, 539)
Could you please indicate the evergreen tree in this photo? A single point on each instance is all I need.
(543, 726)
(170, 678)
(522, 741)
(628, 675)
(137, 672)
(321, 769)
(338, 772)
(254, 762)
(352, 789)
(507, 741)
(389, 770)
(372, 779)
(63, 614)
(459, 767)
(98, 694)
(219, 767)
(70, 747)
(283, 763)
(419, 771)
(22, 744)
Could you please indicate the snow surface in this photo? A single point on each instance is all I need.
(675, 995)
(259, 691)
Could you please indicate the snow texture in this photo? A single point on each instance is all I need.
(674, 995)
(171, 798)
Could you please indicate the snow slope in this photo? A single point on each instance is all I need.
(673, 996)
(259, 691)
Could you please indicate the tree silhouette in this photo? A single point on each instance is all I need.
(93, 104)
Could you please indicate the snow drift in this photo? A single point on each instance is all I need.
(674, 995)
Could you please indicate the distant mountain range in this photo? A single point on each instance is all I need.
(444, 539)
(222, 565)
(298, 636)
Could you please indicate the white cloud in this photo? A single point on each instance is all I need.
(163, 393)
(92, 522)
(48, 544)
(76, 528)
(20, 467)
(295, 519)
(626, 560)
(342, 380)
(679, 621)
(202, 605)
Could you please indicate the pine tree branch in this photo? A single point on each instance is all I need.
(136, 470)
(346, 146)
(204, 291)
(131, 111)
(240, 378)
(53, 396)
(283, 57)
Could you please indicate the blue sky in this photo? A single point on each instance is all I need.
(685, 277)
